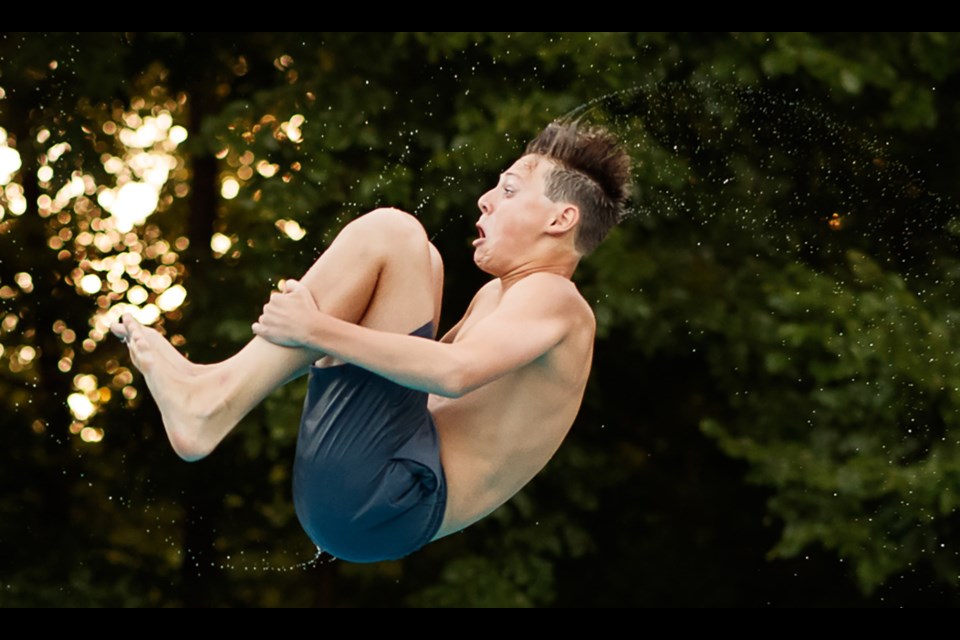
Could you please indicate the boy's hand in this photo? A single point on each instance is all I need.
(286, 319)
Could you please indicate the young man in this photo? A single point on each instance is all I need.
(404, 440)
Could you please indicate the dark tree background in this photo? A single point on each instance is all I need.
(772, 417)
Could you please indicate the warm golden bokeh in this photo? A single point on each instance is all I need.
(103, 228)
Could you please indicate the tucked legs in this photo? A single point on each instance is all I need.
(381, 272)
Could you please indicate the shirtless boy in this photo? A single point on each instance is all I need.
(405, 439)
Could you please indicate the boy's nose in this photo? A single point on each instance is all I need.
(484, 204)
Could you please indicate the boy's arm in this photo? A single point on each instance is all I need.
(530, 319)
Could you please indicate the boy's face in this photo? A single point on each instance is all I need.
(513, 216)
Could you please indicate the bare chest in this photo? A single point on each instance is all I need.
(480, 310)
(546, 391)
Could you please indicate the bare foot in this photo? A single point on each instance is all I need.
(191, 406)
(166, 350)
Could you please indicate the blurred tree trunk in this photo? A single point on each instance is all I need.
(202, 507)
(53, 473)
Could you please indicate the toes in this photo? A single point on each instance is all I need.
(119, 330)
(134, 328)
(123, 328)
(134, 353)
(139, 351)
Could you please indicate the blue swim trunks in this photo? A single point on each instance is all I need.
(367, 480)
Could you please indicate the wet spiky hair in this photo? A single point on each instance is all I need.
(592, 172)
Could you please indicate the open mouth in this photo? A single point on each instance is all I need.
(481, 237)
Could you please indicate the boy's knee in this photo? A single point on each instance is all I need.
(393, 226)
(398, 221)
(436, 261)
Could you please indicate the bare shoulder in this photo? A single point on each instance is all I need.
(548, 284)
(558, 294)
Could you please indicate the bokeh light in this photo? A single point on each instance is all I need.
(292, 128)
(24, 281)
(178, 134)
(220, 243)
(91, 434)
(229, 189)
(90, 283)
(80, 406)
(9, 159)
(16, 203)
(147, 315)
(291, 229)
(130, 204)
(172, 298)
(137, 295)
(85, 382)
(266, 169)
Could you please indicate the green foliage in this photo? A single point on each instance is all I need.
(746, 347)
(840, 401)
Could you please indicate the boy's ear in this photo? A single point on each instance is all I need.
(566, 219)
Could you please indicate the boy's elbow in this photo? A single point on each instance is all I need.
(457, 382)
(453, 386)
(450, 392)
